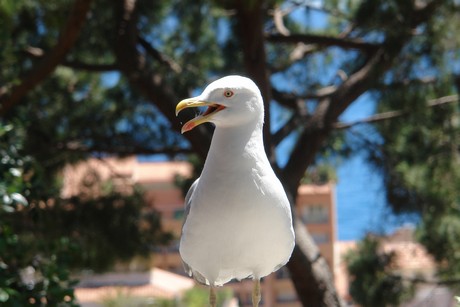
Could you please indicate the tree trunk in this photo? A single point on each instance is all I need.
(309, 271)
(250, 29)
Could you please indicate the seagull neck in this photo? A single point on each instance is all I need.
(243, 141)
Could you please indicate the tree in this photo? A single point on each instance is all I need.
(372, 282)
(43, 237)
(163, 51)
(420, 164)
(26, 278)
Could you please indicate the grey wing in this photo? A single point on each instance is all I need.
(188, 204)
(188, 200)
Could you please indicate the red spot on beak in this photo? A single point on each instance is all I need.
(188, 126)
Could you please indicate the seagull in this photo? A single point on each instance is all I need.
(238, 221)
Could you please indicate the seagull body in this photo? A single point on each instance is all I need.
(238, 220)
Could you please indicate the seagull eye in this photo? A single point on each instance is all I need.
(228, 93)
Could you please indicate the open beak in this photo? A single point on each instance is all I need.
(194, 102)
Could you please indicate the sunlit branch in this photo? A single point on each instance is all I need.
(279, 23)
(394, 114)
(323, 40)
(309, 5)
(300, 52)
(293, 101)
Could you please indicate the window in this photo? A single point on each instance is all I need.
(283, 273)
(286, 297)
(320, 237)
(179, 214)
(315, 214)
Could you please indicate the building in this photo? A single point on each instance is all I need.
(411, 261)
(315, 206)
(138, 287)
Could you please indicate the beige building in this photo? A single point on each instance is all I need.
(315, 206)
(411, 261)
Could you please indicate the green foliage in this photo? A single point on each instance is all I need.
(26, 277)
(195, 297)
(123, 298)
(372, 281)
(199, 296)
(46, 236)
(320, 174)
(420, 163)
(419, 155)
(92, 233)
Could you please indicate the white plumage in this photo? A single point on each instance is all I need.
(238, 219)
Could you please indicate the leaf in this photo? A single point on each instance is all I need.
(15, 172)
(19, 199)
(4, 296)
(8, 209)
(5, 129)
(7, 200)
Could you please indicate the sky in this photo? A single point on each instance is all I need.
(360, 194)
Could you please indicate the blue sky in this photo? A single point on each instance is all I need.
(360, 194)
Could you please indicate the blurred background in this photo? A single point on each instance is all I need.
(362, 127)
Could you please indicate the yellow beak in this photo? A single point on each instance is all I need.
(200, 119)
(190, 103)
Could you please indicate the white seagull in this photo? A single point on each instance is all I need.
(238, 220)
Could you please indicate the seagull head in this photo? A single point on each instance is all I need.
(230, 101)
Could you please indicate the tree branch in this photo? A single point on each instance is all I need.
(152, 85)
(307, 263)
(45, 67)
(397, 113)
(250, 25)
(319, 127)
(305, 4)
(159, 56)
(322, 40)
(39, 53)
(278, 21)
(91, 67)
(292, 101)
(403, 84)
(329, 108)
(294, 122)
(421, 280)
